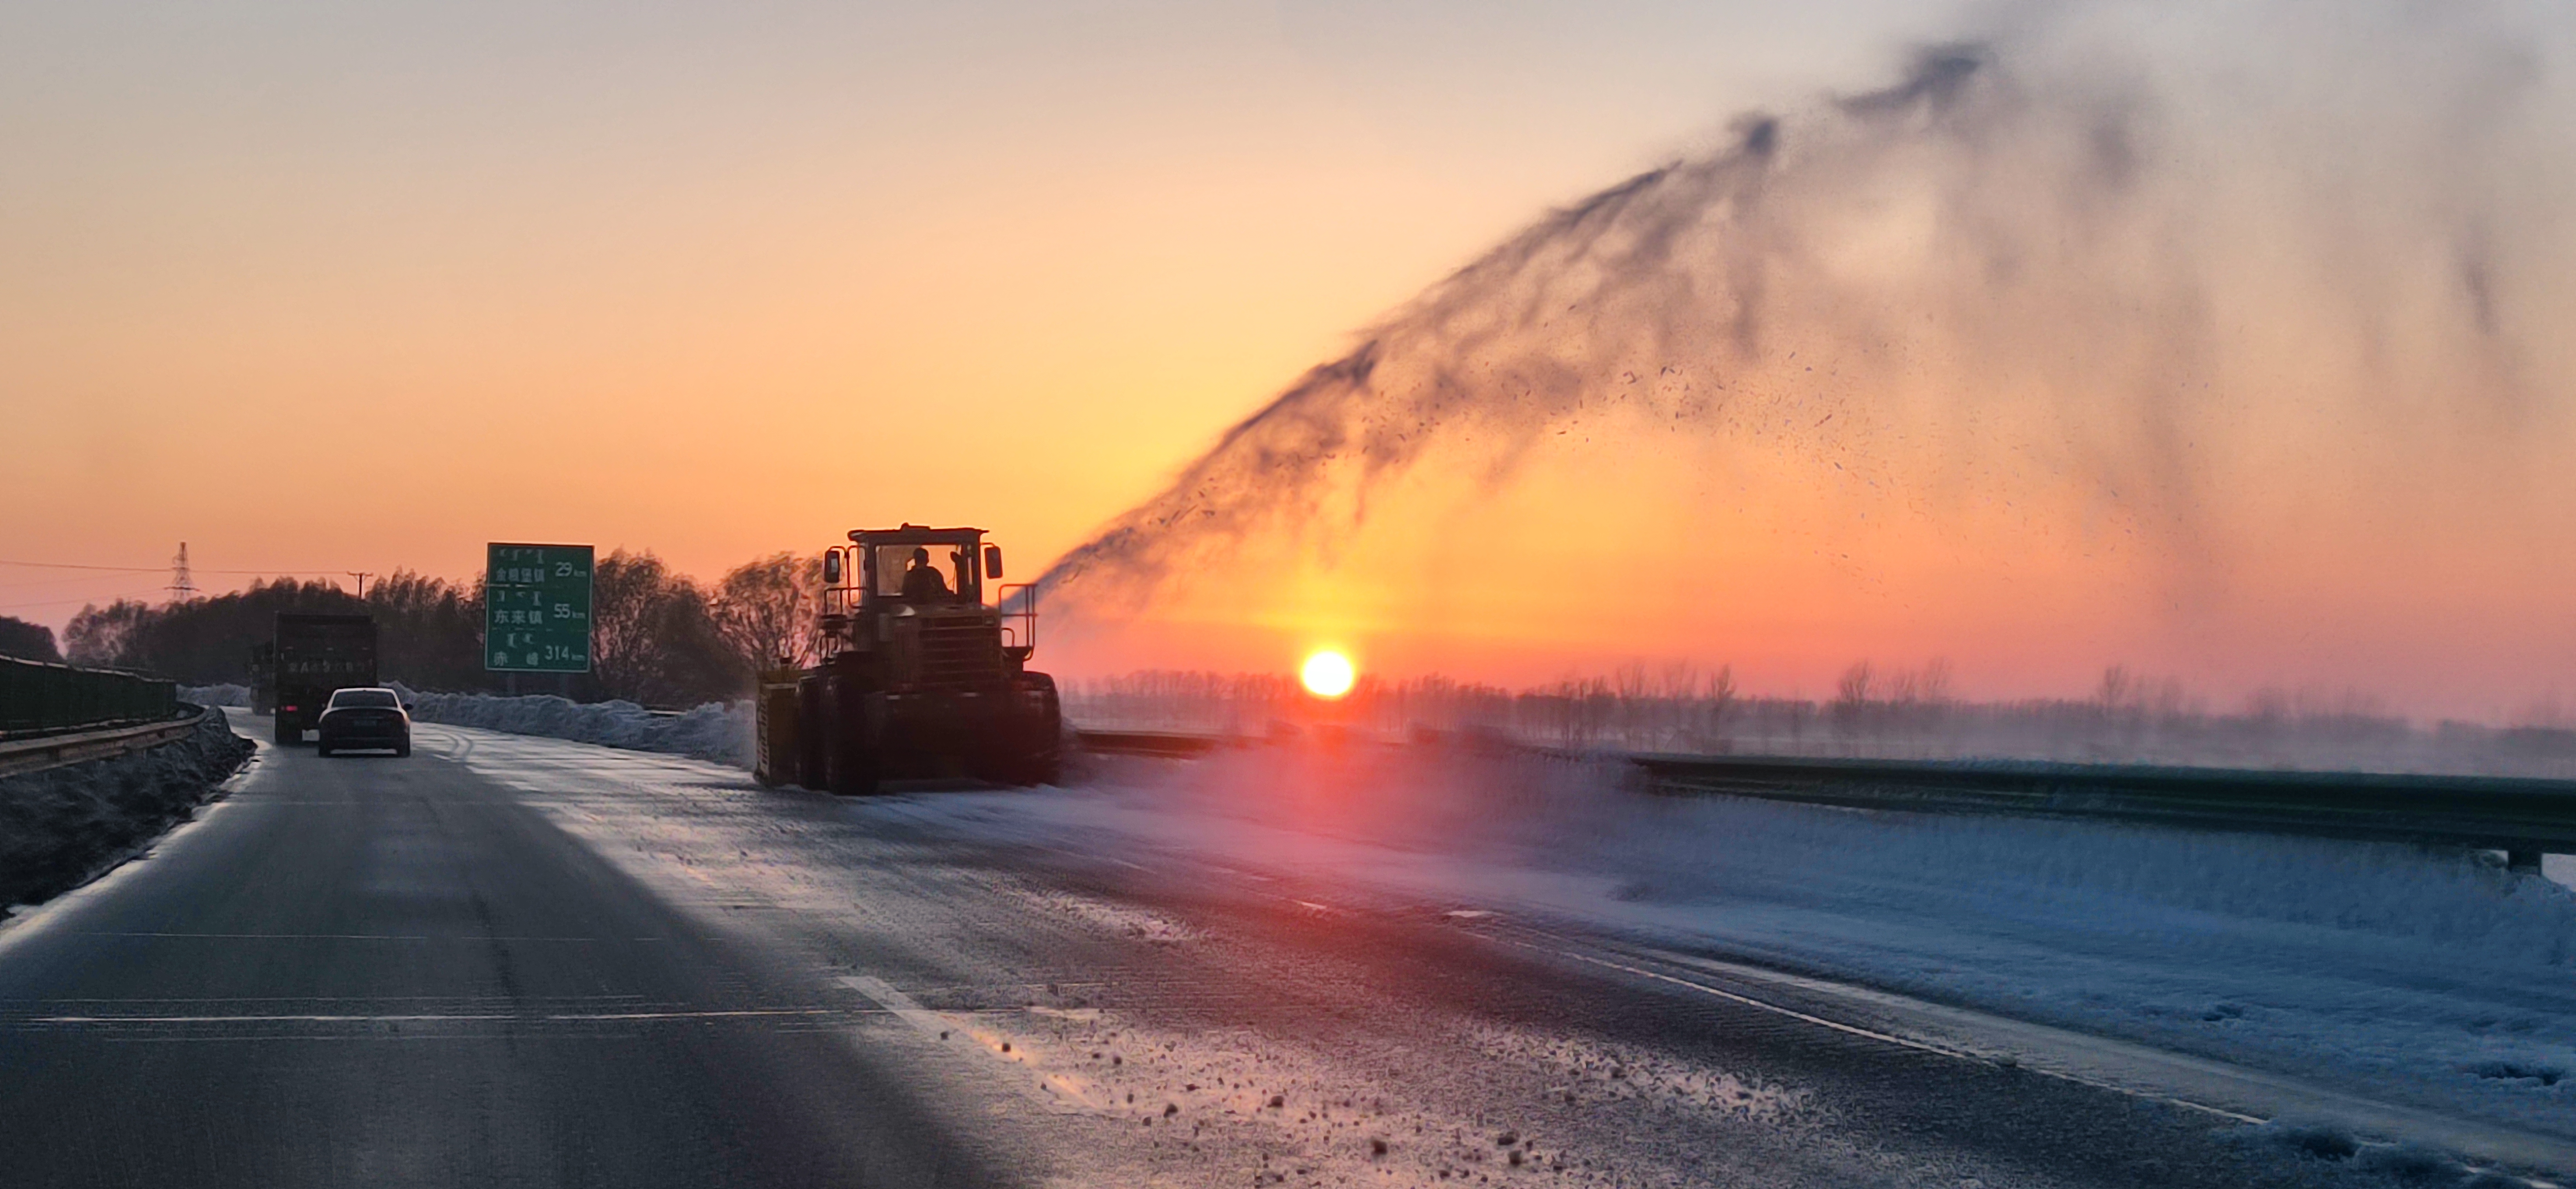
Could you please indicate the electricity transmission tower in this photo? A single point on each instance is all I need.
(182, 587)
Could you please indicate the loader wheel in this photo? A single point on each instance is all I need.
(1045, 766)
(849, 764)
(812, 729)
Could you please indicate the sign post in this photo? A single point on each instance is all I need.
(536, 608)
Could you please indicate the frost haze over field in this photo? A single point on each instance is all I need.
(2220, 336)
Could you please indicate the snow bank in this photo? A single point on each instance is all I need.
(60, 826)
(715, 731)
(215, 695)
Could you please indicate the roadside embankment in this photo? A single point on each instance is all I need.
(715, 731)
(61, 826)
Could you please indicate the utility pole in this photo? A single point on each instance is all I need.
(361, 576)
(182, 586)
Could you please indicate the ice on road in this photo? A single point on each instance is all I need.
(2434, 983)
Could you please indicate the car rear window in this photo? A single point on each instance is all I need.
(365, 697)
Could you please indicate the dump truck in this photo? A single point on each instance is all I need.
(914, 674)
(311, 656)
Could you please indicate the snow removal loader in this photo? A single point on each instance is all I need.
(915, 676)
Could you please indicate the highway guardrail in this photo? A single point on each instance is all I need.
(49, 751)
(39, 698)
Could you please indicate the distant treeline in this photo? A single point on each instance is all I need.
(27, 641)
(1874, 712)
(660, 638)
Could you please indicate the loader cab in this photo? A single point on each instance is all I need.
(924, 579)
(914, 566)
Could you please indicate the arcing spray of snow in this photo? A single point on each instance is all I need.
(2199, 280)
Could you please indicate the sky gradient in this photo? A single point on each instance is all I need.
(322, 288)
(331, 288)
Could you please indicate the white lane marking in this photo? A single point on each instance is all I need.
(1884, 1037)
(904, 1007)
(1058, 1091)
(2060, 1053)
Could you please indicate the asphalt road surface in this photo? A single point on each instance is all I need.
(508, 961)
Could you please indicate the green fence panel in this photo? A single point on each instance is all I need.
(38, 698)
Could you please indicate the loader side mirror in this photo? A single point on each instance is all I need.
(832, 568)
(992, 561)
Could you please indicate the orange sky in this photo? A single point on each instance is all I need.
(338, 290)
(563, 276)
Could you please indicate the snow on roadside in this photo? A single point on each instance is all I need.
(716, 731)
(61, 826)
(2423, 976)
(215, 695)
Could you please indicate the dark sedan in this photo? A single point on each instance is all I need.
(361, 719)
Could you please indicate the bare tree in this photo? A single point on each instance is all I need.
(1851, 696)
(27, 641)
(653, 641)
(764, 609)
(105, 635)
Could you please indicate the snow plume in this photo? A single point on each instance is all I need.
(2159, 263)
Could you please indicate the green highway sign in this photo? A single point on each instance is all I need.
(536, 608)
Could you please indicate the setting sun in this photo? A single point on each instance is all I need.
(1328, 674)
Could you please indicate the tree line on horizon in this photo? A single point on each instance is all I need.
(27, 641)
(1872, 711)
(659, 637)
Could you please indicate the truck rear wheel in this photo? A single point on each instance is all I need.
(287, 734)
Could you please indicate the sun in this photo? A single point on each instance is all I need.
(1328, 674)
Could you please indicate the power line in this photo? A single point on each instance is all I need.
(114, 598)
(64, 565)
(55, 581)
(163, 569)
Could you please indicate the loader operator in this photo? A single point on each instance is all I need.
(921, 581)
